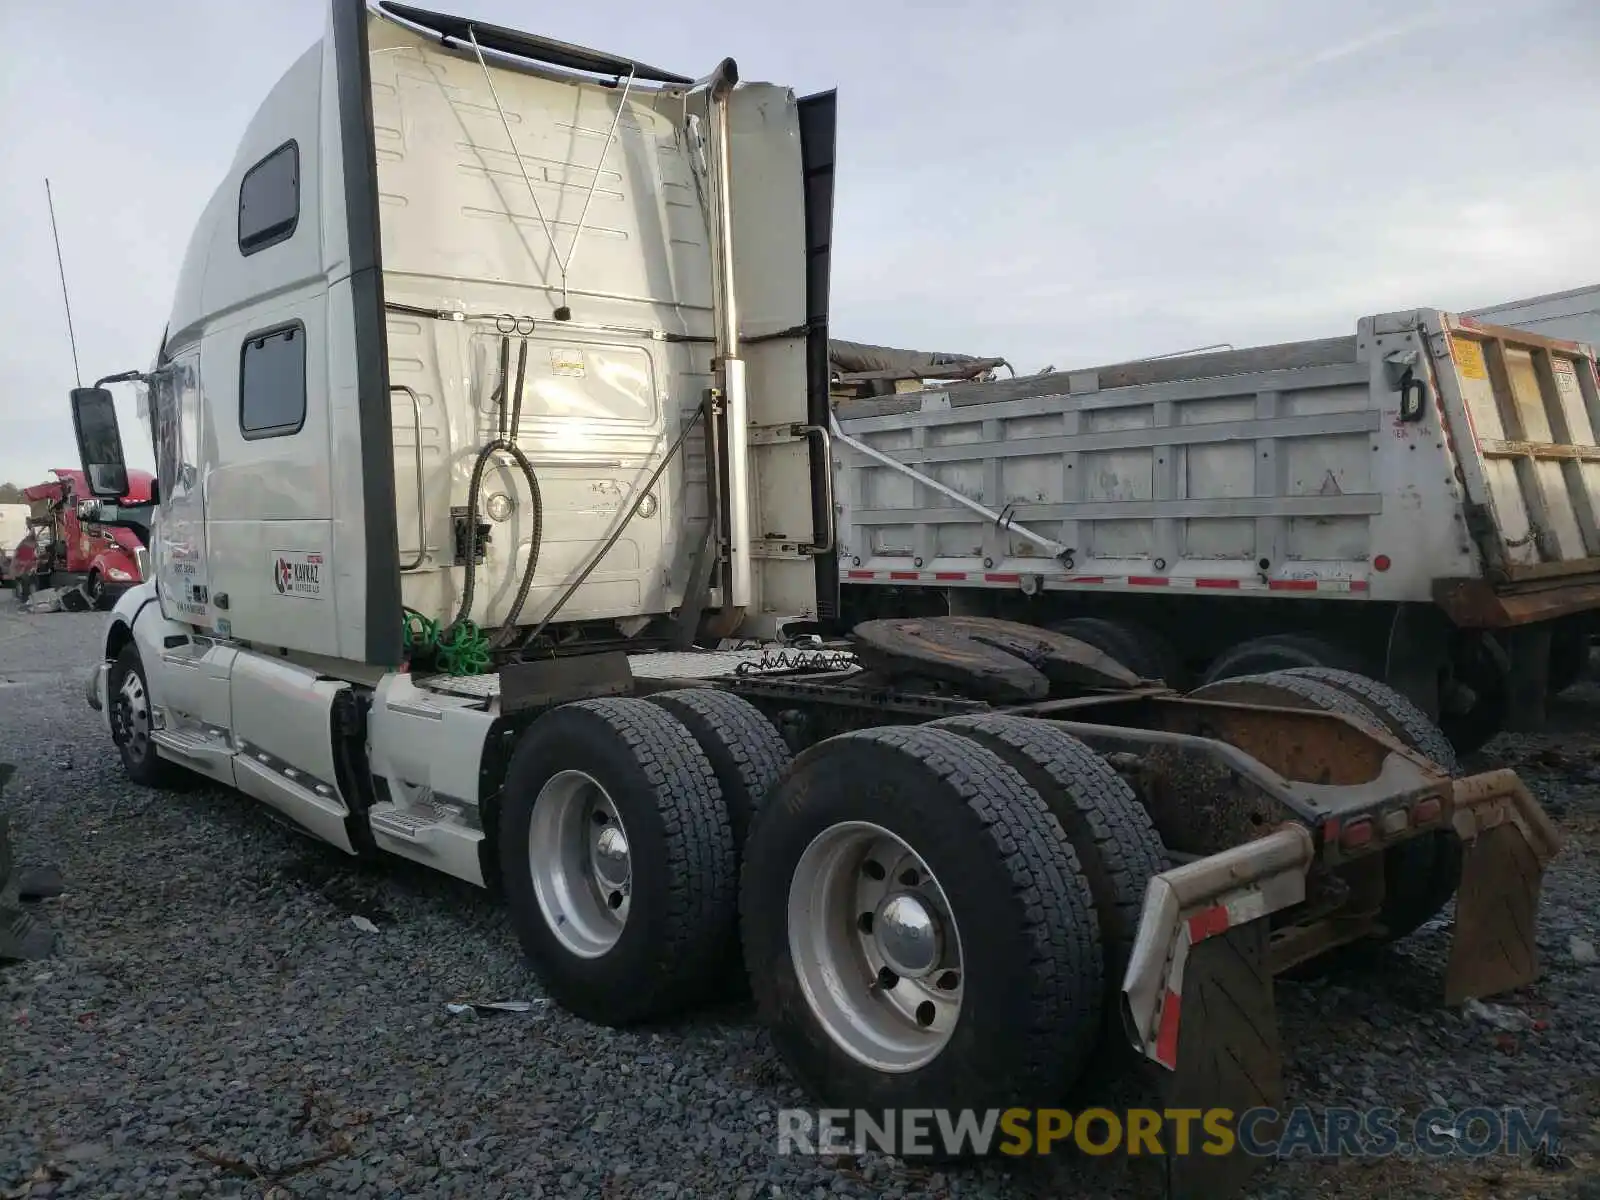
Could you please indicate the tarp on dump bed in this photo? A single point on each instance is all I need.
(859, 360)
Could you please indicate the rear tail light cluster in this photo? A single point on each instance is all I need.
(1359, 832)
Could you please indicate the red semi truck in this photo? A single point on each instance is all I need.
(63, 551)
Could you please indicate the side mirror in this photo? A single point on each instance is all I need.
(94, 420)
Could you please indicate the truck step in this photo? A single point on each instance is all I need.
(197, 749)
(412, 824)
(428, 833)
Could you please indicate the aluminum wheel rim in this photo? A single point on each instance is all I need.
(133, 716)
(875, 947)
(581, 863)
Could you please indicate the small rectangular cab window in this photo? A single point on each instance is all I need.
(269, 200)
(272, 382)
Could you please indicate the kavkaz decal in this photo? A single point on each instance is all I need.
(297, 573)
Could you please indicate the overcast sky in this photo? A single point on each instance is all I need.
(1058, 182)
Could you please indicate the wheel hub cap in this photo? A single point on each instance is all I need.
(610, 856)
(907, 935)
(133, 716)
(580, 863)
(875, 947)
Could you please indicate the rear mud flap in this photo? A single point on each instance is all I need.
(1509, 840)
(1197, 997)
(1228, 1057)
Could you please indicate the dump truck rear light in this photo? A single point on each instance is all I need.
(1394, 821)
(1425, 811)
(1382, 563)
(1356, 834)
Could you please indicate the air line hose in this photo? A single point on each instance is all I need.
(457, 632)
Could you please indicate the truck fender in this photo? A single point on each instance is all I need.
(137, 618)
(118, 558)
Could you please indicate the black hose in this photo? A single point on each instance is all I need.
(508, 630)
(505, 443)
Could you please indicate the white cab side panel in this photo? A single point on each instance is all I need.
(274, 499)
(269, 502)
(282, 727)
(427, 748)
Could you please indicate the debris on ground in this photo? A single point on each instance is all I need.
(457, 1007)
(1511, 1020)
(39, 883)
(363, 924)
(47, 600)
(1582, 951)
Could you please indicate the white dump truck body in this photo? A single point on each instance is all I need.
(1427, 448)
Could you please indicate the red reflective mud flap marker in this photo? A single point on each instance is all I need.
(1197, 996)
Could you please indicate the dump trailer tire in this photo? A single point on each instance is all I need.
(1569, 655)
(1017, 909)
(746, 751)
(638, 767)
(1110, 831)
(1278, 652)
(1141, 649)
(1110, 638)
(128, 694)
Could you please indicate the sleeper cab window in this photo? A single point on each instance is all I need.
(269, 200)
(272, 382)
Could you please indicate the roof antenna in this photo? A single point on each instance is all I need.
(71, 337)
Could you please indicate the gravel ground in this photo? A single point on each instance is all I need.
(217, 1022)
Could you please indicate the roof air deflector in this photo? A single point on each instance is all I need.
(530, 46)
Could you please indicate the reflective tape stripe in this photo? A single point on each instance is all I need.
(1167, 1033)
(1170, 582)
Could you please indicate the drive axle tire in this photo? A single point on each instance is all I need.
(746, 752)
(917, 928)
(1422, 874)
(1289, 691)
(618, 860)
(1403, 719)
(128, 694)
(1109, 829)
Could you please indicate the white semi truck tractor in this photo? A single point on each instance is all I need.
(493, 512)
